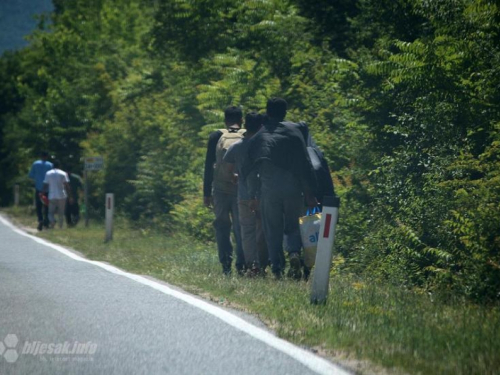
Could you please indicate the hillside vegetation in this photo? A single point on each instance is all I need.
(402, 96)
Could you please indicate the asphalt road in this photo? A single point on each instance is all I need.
(61, 314)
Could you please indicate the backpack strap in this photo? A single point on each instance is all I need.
(239, 131)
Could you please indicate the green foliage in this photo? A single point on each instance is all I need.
(192, 217)
(402, 96)
(430, 126)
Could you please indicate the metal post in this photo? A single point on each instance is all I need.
(321, 277)
(16, 195)
(86, 197)
(110, 207)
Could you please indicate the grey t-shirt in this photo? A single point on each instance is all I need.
(237, 154)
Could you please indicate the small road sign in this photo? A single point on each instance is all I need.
(94, 163)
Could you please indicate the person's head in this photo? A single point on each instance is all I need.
(276, 108)
(44, 155)
(233, 117)
(57, 164)
(253, 122)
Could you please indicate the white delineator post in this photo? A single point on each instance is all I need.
(16, 195)
(86, 197)
(321, 277)
(110, 207)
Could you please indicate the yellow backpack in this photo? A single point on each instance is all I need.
(222, 176)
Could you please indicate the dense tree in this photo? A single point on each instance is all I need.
(401, 95)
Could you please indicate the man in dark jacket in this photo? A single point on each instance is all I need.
(222, 195)
(324, 182)
(72, 211)
(279, 170)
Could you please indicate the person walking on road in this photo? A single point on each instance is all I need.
(252, 235)
(57, 183)
(280, 168)
(37, 173)
(220, 192)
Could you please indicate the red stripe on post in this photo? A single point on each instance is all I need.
(328, 221)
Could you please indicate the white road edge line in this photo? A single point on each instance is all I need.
(310, 360)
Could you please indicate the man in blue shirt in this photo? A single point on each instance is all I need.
(37, 173)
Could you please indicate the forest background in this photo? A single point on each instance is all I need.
(402, 96)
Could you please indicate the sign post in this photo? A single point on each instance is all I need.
(321, 277)
(110, 207)
(95, 163)
(16, 195)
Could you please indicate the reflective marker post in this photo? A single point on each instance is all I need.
(16, 195)
(321, 277)
(110, 207)
(86, 197)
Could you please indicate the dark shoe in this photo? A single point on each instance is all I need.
(278, 275)
(307, 273)
(241, 269)
(226, 270)
(253, 272)
(40, 226)
(294, 272)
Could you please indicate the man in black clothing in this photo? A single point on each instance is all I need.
(72, 211)
(220, 191)
(280, 171)
(324, 182)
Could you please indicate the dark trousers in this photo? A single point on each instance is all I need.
(281, 204)
(226, 216)
(252, 236)
(42, 211)
(280, 218)
(72, 213)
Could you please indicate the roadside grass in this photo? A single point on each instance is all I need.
(399, 330)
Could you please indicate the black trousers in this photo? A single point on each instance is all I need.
(42, 211)
(72, 213)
